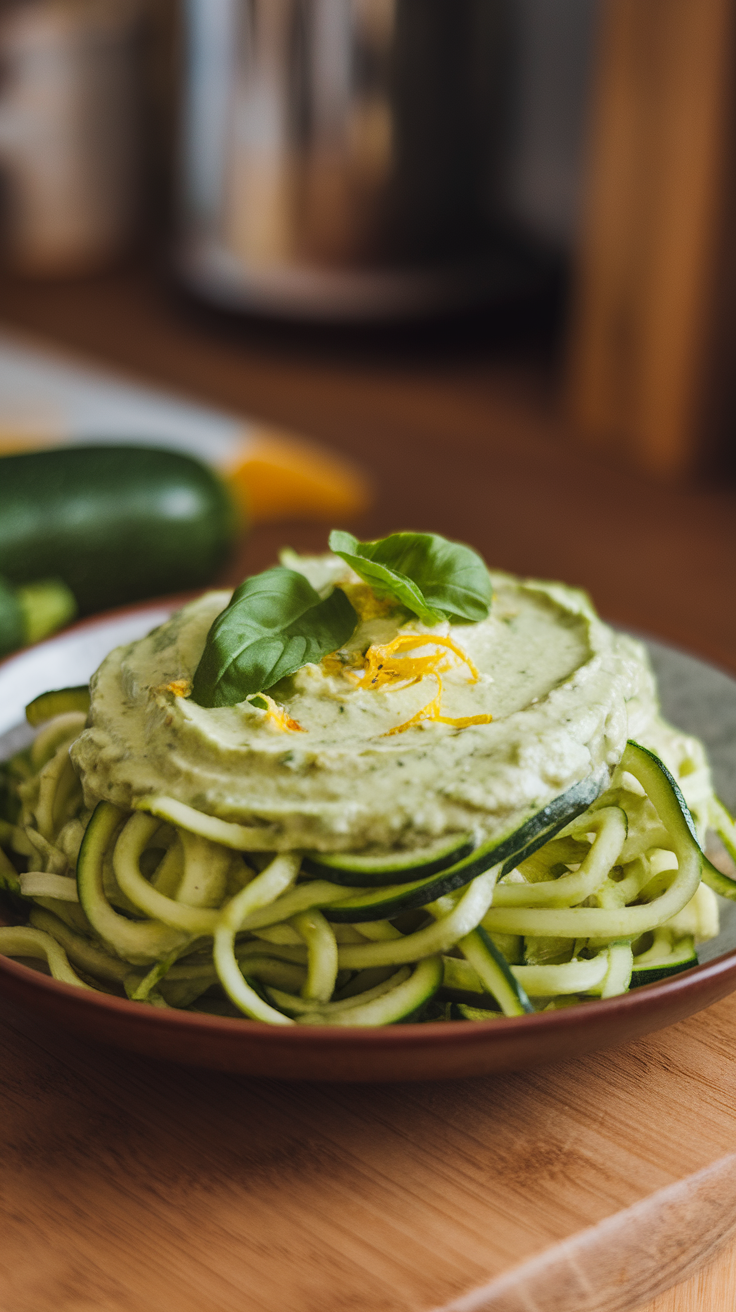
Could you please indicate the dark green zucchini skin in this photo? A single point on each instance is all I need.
(402, 873)
(538, 829)
(653, 974)
(11, 619)
(116, 523)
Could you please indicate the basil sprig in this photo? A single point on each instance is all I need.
(274, 624)
(433, 578)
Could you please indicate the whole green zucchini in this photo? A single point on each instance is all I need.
(115, 523)
(12, 630)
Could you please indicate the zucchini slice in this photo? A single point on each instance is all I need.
(50, 704)
(358, 870)
(494, 972)
(717, 880)
(462, 982)
(476, 1013)
(82, 952)
(620, 965)
(20, 941)
(385, 903)
(723, 824)
(299, 1006)
(139, 941)
(399, 1004)
(627, 922)
(648, 971)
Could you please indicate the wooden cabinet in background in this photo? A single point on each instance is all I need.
(651, 328)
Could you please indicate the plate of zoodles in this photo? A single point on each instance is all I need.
(382, 813)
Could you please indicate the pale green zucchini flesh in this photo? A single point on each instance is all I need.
(683, 957)
(357, 869)
(538, 829)
(59, 702)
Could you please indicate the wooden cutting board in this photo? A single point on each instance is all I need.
(712, 1289)
(128, 1186)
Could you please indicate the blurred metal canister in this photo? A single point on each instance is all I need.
(341, 158)
(69, 110)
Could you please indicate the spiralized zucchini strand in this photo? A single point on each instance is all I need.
(637, 874)
(129, 848)
(317, 893)
(467, 912)
(610, 827)
(321, 955)
(265, 888)
(20, 941)
(57, 781)
(45, 854)
(206, 867)
(140, 990)
(56, 733)
(378, 931)
(618, 975)
(495, 975)
(242, 838)
(38, 883)
(302, 1006)
(625, 922)
(91, 958)
(567, 977)
(142, 942)
(725, 827)
(584, 976)
(168, 874)
(394, 1005)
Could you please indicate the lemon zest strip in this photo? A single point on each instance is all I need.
(433, 711)
(179, 687)
(278, 717)
(385, 664)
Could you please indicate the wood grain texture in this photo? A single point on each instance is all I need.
(657, 187)
(644, 1247)
(713, 1289)
(128, 1185)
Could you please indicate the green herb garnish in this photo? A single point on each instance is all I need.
(275, 623)
(433, 578)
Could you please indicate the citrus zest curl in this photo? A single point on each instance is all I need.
(433, 711)
(277, 716)
(385, 664)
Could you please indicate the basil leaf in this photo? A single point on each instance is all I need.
(274, 624)
(434, 578)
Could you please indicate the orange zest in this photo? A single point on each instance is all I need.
(385, 667)
(385, 664)
(433, 711)
(277, 716)
(179, 687)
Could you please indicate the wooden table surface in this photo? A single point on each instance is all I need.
(466, 440)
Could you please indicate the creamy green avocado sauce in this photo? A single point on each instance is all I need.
(564, 691)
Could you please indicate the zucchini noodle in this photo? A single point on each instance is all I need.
(174, 908)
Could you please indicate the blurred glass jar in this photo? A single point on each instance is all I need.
(69, 138)
(346, 159)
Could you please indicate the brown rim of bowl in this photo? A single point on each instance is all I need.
(648, 999)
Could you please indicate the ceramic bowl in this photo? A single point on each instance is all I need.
(695, 696)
